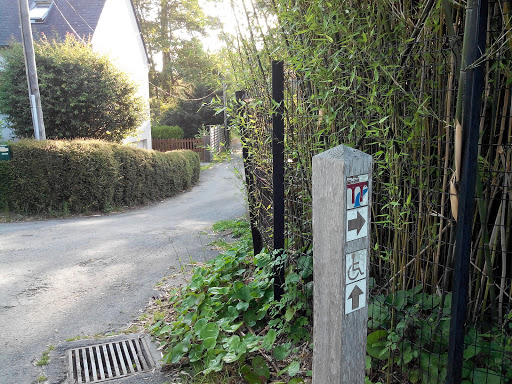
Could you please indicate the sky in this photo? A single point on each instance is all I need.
(223, 11)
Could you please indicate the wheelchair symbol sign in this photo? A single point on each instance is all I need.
(356, 266)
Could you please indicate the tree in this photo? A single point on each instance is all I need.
(170, 28)
(82, 93)
(192, 113)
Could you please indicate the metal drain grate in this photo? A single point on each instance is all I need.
(107, 361)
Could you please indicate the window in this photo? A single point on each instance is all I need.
(39, 10)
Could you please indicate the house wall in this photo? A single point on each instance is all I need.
(117, 34)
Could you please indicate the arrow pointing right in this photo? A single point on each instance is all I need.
(357, 223)
(354, 295)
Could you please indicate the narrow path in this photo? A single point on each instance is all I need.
(61, 279)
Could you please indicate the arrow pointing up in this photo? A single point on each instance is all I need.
(357, 223)
(354, 295)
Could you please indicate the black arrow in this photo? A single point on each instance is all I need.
(356, 292)
(356, 223)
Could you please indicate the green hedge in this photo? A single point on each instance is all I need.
(166, 132)
(88, 175)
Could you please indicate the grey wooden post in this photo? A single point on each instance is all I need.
(341, 240)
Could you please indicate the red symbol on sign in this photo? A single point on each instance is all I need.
(363, 189)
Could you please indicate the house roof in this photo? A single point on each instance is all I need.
(66, 16)
(79, 17)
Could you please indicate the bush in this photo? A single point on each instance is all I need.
(5, 181)
(88, 175)
(166, 132)
(83, 95)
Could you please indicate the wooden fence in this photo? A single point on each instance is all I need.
(196, 145)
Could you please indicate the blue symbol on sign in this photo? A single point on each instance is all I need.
(358, 199)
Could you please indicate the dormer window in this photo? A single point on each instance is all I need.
(39, 10)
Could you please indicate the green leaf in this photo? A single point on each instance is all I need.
(250, 317)
(230, 328)
(269, 339)
(252, 378)
(189, 302)
(215, 365)
(368, 363)
(199, 325)
(471, 351)
(195, 353)
(296, 381)
(414, 375)
(290, 312)
(232, 343)
(281, 352)
(260, 367)
(486, 376)
(376, 345)
(210, 330)
(231, 314)
(164, 329)
(242, 292)
(218, 290)
(196, 283)
(293, 368)
(242, 306)
(178, 352)
(210, 342)
(230, 357)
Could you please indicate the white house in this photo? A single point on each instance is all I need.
(111, 25)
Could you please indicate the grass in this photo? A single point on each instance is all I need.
(238, 229)
(45, 357)
(207, 166)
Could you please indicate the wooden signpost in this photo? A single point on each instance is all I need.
(341, 239)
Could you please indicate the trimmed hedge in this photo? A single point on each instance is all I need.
(89, 175)
(166, 132)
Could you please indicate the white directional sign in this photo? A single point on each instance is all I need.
(355, 296)
(357, 223)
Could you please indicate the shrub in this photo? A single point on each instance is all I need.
(87, 175)
(166, 132)
(5, 181)
(83, 95)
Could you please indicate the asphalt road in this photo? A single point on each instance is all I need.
(61, 279)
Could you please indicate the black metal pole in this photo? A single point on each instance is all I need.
(257, 241)
(278, 168)
(476, 15)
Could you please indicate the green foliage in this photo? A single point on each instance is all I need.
(379, 76)
(87, 175)
(224, 315)
(238, 228)
(166, 132)
(5, 184)
(403, 321)
(171, 30)
(193, 113)
(83, 95)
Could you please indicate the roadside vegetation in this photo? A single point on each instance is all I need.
(77, 176)
(224, 325)
(83, 94)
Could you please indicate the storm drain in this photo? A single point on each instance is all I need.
(108, 361)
